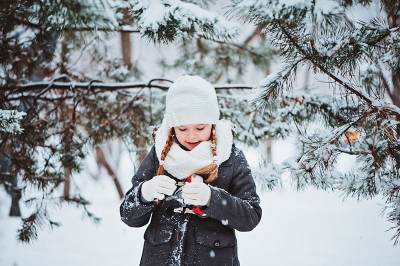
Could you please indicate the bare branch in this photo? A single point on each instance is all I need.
(98, 85)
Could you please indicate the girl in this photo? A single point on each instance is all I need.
(194, 184)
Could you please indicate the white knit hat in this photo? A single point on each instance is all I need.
(191, 100)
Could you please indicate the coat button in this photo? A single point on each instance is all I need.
(216, 243)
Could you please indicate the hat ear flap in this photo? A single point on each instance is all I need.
(171, 119)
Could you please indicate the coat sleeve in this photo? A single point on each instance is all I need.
(133, 211)
(237, 207)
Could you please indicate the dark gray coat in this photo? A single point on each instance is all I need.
(234, 205)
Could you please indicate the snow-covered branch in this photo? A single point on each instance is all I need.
(10, 121)
(162, 84)
(165, 21)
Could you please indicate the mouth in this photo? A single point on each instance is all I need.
(193, 144)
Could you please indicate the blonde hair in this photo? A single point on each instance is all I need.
(211, 170)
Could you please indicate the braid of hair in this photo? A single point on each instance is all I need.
(213, 141)
(211, 169)
(164, 152)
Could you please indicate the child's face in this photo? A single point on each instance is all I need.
(192, 135)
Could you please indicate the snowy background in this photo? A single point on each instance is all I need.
(298, 228)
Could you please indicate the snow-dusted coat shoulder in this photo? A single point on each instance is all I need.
(234, 205)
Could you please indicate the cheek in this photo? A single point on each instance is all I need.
(179, 136)
(204, 136)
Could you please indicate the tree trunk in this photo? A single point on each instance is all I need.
(140, 141)
(126, 43)
(268, 144)
(141, 146)
(126, 49)
(10, 183)
(67, 182)
(101, 160)
(69, 130)
(15, 210)
(392, 7)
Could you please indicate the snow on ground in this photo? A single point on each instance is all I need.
(298, 228)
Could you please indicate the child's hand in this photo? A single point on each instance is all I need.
(196, 193)
(157, 187)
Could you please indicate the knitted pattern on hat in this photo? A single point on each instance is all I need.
(181, 163)
(191, 100)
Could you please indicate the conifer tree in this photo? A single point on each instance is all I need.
(63, 94)
(359, 59)
(41, 140)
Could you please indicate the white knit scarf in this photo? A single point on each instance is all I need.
(181, 163)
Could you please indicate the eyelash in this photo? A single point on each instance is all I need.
(184, 129)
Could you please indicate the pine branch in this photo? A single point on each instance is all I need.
(322, 68)
(243, 47)
(390, 109)
(41, 218)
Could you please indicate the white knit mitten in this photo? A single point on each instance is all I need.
(157, 187)
(196, 192)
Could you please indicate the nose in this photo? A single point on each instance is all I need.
(191, 135)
